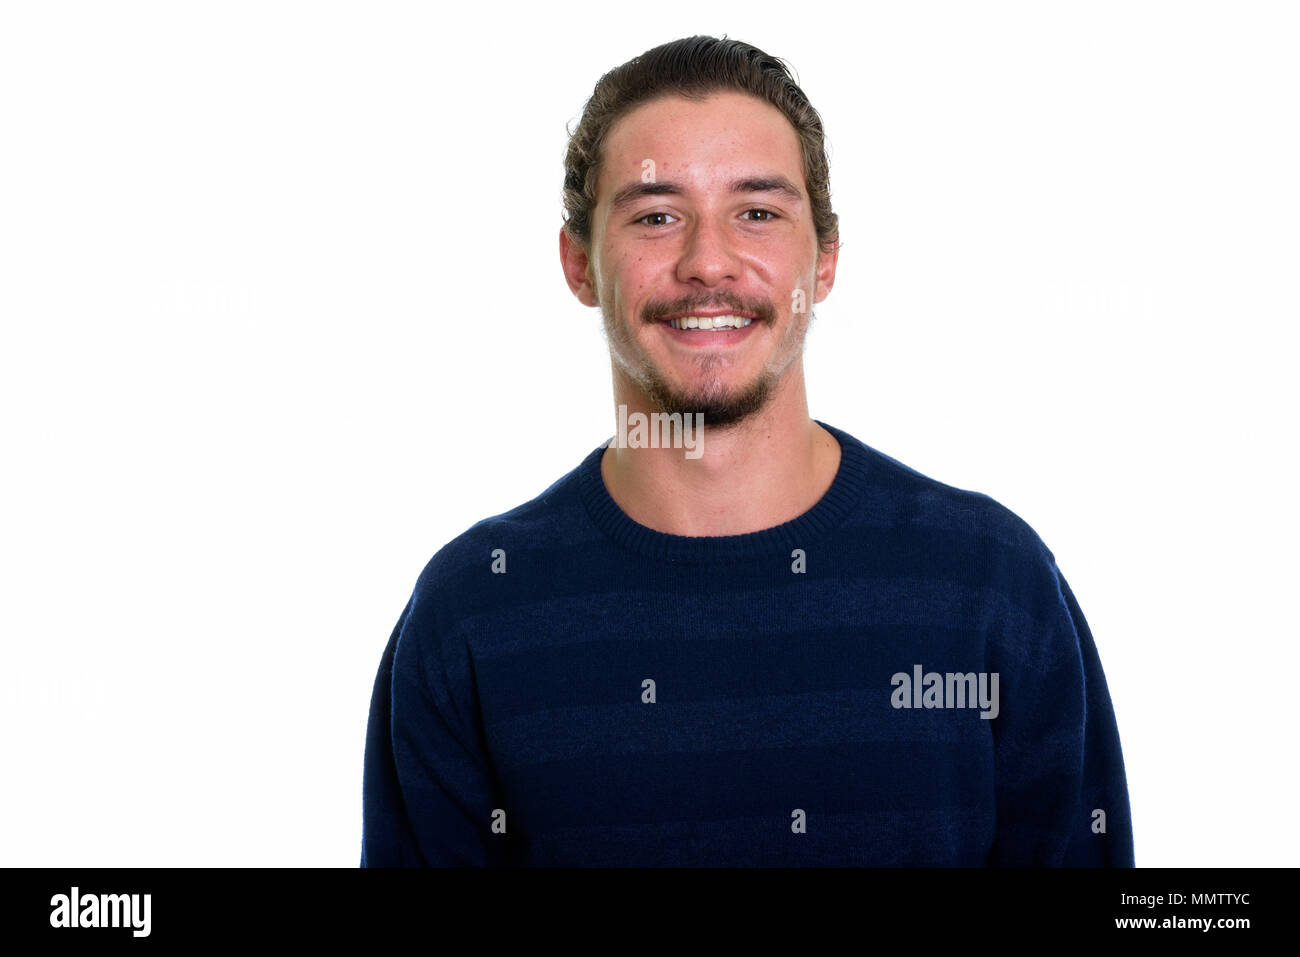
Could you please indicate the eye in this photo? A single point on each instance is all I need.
(767, 214)
(652, 215)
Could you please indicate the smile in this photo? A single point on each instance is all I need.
(710, 322)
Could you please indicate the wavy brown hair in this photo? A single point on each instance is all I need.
(694, 67)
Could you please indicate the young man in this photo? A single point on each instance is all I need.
(759, 642)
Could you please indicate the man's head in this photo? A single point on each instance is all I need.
(696, 185)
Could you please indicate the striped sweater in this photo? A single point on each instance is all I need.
(898, 677)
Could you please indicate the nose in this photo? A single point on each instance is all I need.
(708, 256)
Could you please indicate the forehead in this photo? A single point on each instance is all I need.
(700, 141)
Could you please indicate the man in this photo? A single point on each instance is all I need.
(759, 643)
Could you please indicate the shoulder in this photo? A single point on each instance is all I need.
(971, 539)
(924, 501)
(965, 535)
(458, 579)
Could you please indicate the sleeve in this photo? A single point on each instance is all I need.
(428, 792)
(1062, 797)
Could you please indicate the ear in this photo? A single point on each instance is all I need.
(577, 269)
(826, 271)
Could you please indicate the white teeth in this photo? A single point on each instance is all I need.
(710, 322)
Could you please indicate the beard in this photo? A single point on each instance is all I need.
(719, 405)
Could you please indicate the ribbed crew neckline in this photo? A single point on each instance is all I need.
(828, 513)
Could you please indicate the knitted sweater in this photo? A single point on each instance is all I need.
(899, 676)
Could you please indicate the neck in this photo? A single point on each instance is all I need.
(767, 469)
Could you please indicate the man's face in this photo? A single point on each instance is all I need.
(702, 211)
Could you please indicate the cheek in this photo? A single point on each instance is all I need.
(635, 271)
(783, 265)
(620, 272)
(804, 278)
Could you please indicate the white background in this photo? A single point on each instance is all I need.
(283, 313)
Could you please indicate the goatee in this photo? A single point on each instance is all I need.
(719, 408)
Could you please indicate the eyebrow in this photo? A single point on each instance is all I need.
(752, 184)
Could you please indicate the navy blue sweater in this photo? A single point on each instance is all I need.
(899, 676)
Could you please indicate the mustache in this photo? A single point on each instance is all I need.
(658, 309)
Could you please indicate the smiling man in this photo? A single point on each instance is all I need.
(785, 648)
(705, 271)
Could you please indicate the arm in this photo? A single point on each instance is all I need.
(1057, 754)
(428, 790)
